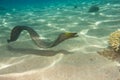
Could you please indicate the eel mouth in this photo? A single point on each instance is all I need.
(71, 35)
(75, 34)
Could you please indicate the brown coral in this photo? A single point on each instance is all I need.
(114, 40)
(112, 52)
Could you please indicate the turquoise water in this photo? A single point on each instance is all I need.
(73, 59)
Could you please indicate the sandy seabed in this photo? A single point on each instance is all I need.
(22, 60)
(88, 68)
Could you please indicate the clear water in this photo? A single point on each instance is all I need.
(24, 60)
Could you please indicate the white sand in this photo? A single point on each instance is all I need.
(86, 67)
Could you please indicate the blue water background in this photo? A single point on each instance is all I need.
(44, 3)
(60, 13)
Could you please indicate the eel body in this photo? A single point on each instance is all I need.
(15, 33)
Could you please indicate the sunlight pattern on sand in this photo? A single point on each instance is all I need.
(73, 59)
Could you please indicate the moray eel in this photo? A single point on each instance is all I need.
(15, 33)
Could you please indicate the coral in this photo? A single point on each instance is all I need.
(112, 52)
(109, 53)
(114, 40)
